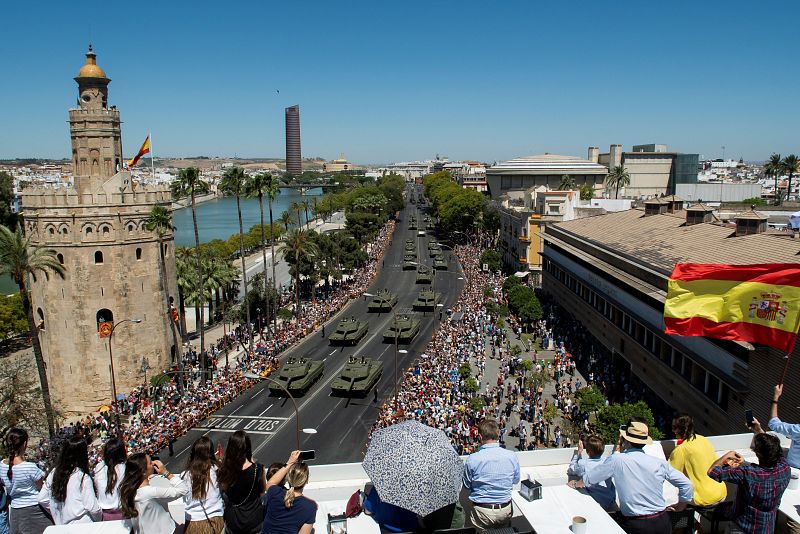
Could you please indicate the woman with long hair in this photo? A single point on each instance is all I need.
(242, 482)
(68, 491)
(288, 510)
(108, 474)
(144, 504)
(204, 508)
(22, 481)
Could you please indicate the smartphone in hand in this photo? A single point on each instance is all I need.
(307, 455)
(748, 416)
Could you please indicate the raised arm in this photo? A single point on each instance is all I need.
(281, 473)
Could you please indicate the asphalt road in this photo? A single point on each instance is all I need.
(341, 424)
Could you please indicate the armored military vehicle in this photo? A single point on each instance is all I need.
(412, 223)
(411, 247)
(427, 300)
(436, 253)
(297, 375)
(424, 275)
(439, 263)
(384, 300)
(410, 242)
(349, 332)
(358, 377)
(403, 327)
(432, 244)
(410, 255)
(409, 263)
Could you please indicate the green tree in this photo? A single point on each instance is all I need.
(234, 182)
(306, 205)
(286, 221)
(458, 211)
(471, 385)
(590, 399)
(21, 259)
(510, 282)
(159, 221)
(617, 179)
(464, 370)
(611, 417)
(567, 183)
(298, 247)
(530, 311)
(476, 404)
(7, 217)
(12, 317)
(190, 185)
(297, 209)
(791, 165)
(260, 186)
(492, 259)
(774, 168)
(586, 192)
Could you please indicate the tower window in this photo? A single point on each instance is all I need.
(88, 230)
(64, 230)
(98, 257)
(51, 231)
(138, 254)
(106, 231)
(40, 314)
(130, 228)
(60, 258)
(104, 316)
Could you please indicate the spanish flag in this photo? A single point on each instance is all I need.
(142, 151)
(755, 303)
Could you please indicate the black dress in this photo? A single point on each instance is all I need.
(244, 513)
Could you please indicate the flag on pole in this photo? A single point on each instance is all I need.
(754, 303)
(142, 151)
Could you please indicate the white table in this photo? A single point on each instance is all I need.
(106, 527)
(553, 513)
(361, 524)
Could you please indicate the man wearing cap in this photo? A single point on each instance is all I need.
(489, 475)
(639, 479)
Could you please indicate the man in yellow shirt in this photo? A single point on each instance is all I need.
(693, 457)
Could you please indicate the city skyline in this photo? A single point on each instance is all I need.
(466, 82)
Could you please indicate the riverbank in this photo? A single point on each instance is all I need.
(187, 202)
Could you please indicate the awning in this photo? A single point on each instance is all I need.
(522, 274)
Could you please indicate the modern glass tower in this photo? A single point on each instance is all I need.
(294, 162)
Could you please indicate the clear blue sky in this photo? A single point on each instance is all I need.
(391, 81)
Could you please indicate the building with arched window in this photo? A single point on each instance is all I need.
(112, 267)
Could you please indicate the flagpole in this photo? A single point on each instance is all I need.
(152, 156)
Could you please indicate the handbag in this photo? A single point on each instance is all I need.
(249, 513)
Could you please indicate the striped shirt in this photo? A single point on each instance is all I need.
(22, 489)
(758, 494)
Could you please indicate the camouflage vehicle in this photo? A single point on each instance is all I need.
(384, 300)
(410, 242)
(409, 264)
(411, 247)
(439, 263)
(424, 274)
(410, 255)
(427, 300)
(358, 377)
(436, 253)
(349, 332)
(297, 375)
(427, 219)
(432, 244)
(412, 223)
(403, 327)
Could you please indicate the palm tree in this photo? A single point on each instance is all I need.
(298, 246)
(21, 259)
(306, 204)
(618, 178)
(286, 220)
(297, 207)
(233, 182)
(791, 165)
(774, 167)
(159, 221)
(187, 277)
(190, 185)
(567, 183)
(257, 187)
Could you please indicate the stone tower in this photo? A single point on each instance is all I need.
(112, 263)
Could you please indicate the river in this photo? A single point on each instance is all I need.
(216, 219)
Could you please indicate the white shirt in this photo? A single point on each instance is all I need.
(22, 487)
(108, 501)
(151, 503)
(211, 506)
(80, 505)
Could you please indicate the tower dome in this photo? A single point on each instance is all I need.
(90, 69)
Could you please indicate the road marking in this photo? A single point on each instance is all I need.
(332, 353)
(265, 410)
(257, 394)
(237, 409)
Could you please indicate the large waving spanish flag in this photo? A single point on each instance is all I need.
(142, 151)
(755, 303)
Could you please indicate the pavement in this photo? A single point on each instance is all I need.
(341, 425)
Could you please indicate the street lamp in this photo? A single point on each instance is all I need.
(254, 376)
(111, 360)
(396, 378)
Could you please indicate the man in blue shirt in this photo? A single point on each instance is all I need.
(603, 492)
(489, 476)
(639, 480)
(791, 431)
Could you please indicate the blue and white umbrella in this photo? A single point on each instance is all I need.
(414, 466)
(794, 220)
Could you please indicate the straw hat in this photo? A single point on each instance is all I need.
(636, 433)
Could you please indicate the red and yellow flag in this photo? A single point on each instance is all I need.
(755, 303)
(142, 151)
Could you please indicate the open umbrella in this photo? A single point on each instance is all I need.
(104, 408)
(414, 466)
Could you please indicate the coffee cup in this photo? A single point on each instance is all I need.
(579, 525)
(794, 481)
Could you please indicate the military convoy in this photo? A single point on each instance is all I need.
(424, 275)
(439, 263)
(297, 375)
(358, 377)
(427, 300)
(384, 300)
(402, 329)
(409, 263)
(349, 331)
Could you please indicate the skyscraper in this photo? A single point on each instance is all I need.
(294, 162)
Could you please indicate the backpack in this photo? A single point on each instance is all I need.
(355, 504)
